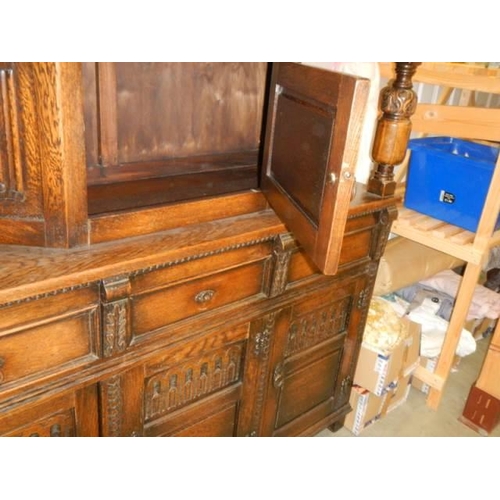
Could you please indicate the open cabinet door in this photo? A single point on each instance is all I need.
(313, 130)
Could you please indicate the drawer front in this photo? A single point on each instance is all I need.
(47, 336)
(358, 245)
(154, 310)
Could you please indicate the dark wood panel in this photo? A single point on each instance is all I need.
(306, 385)
(196, 108)
(301, 141)
(170, 189)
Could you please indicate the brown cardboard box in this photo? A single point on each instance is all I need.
(480, 328)
(399, 394)
(367, 408)
(377, 369)
(412, 345)
(430, 365)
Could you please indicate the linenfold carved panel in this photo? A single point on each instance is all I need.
(319, 325)
(11, 176)
(189, 381)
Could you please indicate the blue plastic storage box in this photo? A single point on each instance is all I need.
(448, 179)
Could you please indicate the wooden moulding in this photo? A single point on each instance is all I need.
(141, 222)
(140, 185)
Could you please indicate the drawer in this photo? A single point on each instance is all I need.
(48, 335)
(359, 239)
(358, 245)
(301, 267)
(193, 298)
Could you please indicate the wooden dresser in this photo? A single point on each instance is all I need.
(173, 261)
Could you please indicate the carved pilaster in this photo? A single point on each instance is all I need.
(398, 103)
(262, 338)
(381, 235)
(116, 315)
(281, 255)
(11, 173)
(112, 406)
(262, 342)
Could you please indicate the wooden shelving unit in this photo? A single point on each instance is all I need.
(466, 122)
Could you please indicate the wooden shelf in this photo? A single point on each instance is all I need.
(465, 121)
(440, 235)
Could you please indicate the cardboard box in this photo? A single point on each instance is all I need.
(439, 179)
(430, 365)
(399, 394)
(367, 408)
(411, 358)
(480, 328)
(376, 370)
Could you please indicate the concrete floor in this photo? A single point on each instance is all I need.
(415, 419)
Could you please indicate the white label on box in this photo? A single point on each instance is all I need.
(381, 363)
(381, 367)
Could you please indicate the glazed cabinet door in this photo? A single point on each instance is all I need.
(202, 387)
(72, 414)
(313, 356)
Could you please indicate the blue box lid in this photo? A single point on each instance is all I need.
(446, 146)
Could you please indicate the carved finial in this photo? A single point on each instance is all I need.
(398, 103)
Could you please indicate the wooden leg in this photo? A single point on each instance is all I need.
(337, 425)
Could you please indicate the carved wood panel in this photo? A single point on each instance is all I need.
(319, 325)
(11, 173)
(187, 382)
(61, 424)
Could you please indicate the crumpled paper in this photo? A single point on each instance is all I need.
(384, 328)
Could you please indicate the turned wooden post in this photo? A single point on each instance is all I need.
(398, 103)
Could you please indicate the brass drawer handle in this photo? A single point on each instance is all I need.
(204, 296)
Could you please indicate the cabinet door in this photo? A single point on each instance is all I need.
(73, 414)
(312, 135)
(202, 387)
(315, 345)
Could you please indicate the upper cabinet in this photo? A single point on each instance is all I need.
(170, 132)
(94, 152)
